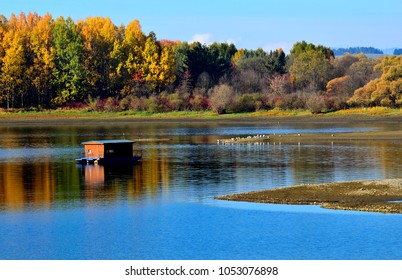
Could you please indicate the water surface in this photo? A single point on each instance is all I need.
(164, 208)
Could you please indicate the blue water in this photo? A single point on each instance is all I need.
(194, 231)
(165, 209)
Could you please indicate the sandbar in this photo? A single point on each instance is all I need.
(382, 196)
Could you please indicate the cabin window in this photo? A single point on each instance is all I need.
(89, 151)
(110, 151)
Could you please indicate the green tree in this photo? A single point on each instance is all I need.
(69, 73)
(303, 47)
(181, 71)
(311, 69)
(197, 61)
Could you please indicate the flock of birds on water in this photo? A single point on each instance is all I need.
(250, 138)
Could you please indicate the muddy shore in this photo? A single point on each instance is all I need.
(382, 196)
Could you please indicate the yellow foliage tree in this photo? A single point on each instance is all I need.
(99, 36)
(237, 56)
(384, 91)
(134, 42)
(340, 86)
(43, 59)
(158, 64)
(13, 62)
(167, 65)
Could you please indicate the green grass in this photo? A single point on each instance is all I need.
(84, 114)
(379, 111)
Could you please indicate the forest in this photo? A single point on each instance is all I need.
(94, 65)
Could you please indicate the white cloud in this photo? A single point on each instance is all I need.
(286, 47)
(232, 41)
(206, 39)
(202, 38)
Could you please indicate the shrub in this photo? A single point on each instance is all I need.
(246, 103)
(111, 105)
(316, 104)
(222, 99)
(198, 102)
(153, 105)
(94, 104)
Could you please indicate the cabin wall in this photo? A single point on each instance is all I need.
(116, 150)
(94, 150)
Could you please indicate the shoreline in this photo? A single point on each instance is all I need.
(380, 196)
(269, 117)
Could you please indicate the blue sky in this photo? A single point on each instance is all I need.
(248, 24)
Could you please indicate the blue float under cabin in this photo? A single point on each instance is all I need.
(108, 152)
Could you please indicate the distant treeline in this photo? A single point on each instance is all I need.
(93, 64)
(397, 51)
(357, 50)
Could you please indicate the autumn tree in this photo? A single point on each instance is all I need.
(3, 30)
(13, 61)
(342, 64)
(158, 64)
(341, 86)
(134, 42)
(43, 64)
(363, 70)
(352, 72)
(99, 37)
(167, 66)
(385, 90)
(127, 58)
(150, 62)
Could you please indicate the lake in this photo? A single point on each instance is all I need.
(164, 207)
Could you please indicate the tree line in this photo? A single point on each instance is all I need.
(95, 65)
(357, 50)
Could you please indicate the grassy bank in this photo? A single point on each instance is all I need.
(66, 115)
(381, 196)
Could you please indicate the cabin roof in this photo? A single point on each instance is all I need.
(102, 142)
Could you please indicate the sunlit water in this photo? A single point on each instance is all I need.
(164, 207)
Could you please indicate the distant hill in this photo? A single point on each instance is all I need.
(357, 50)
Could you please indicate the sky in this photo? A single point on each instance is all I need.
(249, 24)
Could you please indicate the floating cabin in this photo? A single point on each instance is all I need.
(108, 152)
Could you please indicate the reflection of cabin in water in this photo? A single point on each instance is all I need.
(96, 175)
(108, 151)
